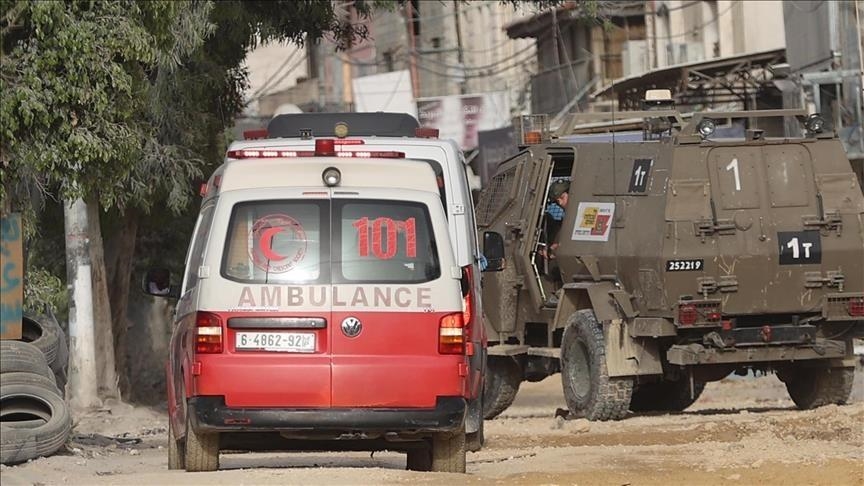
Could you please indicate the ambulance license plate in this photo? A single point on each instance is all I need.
(285, 342)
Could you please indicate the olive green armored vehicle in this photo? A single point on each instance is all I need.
(682, 257)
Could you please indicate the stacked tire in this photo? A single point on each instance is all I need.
(34, 417)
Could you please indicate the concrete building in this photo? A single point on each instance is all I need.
(576, 52)
(488, 60)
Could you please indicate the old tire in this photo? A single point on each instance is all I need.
(18, 356)
(420, 459)
(815, 387)
(665, 396)
(448, 452)
(175, 449)
(588, 389)
(47, 418)
(44, 333)
(18, 377)
(201, 449)
(503, 377)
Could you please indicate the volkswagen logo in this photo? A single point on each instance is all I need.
(351, 326)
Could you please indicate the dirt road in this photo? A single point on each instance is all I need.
(741, 431)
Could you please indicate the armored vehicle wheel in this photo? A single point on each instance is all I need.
(665, 396)
(503, 376)
(815, 387)
(588, 389)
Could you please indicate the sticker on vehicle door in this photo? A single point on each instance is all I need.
(800, 247)
(593, 221)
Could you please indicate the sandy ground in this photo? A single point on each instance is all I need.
(741, 431)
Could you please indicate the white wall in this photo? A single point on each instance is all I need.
(272, 62)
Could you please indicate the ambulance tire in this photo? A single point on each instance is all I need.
(201, 449)
(503, 377)
(448, 452)
(420, 459)
(176, 453)
(588, 389)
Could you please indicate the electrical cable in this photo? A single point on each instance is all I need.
(267, 83)
(694, 29)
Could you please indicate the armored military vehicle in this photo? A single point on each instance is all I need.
(682, 257)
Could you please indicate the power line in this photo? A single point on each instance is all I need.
(289, 71)
(694, 29)
(269, 80)
(529, 53)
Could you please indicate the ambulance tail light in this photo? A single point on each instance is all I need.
(208, 333)
(451, 334)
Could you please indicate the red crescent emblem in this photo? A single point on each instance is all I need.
(266, 242)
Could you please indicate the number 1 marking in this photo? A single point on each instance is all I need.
(639, 176)
(733, 166)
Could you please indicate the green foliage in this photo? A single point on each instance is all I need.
(45, 291)
(72, 75)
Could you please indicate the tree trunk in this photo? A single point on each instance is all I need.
(119, 254)
(82, 386)
(106, 371)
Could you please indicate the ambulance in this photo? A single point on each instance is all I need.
(322, 308)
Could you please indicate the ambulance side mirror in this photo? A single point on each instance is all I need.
(493, 250)
(157, 282)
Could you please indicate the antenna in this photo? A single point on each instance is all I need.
(614, 234)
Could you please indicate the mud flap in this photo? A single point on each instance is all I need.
(627, 356)
(474, 416)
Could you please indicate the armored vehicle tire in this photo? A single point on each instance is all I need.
(588, 389)
(503, 376)
(201, 450)
(448, 452)
(815, 387)
(665, 396)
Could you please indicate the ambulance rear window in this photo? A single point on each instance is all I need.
(383, 241)
(277, 241)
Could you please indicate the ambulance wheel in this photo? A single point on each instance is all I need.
(503, 377)
(420, 459)
(448, 451)
(175, 448)
(201, 451)
(588, 389)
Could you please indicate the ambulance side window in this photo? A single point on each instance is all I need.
(196, 248)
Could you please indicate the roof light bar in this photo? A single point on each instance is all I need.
(277, 154)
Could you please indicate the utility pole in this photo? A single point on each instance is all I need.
(82, 363)
(463, 85)
(412, 41)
